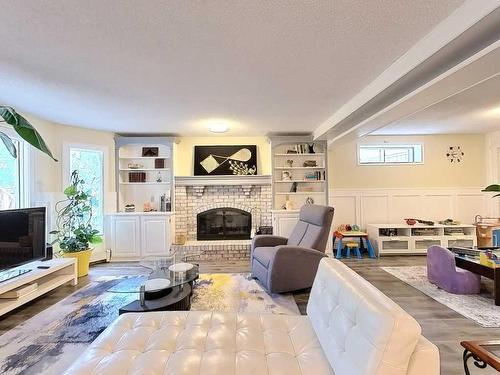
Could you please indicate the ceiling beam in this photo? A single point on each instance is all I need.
(465, 32)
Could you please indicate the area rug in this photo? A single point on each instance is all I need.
(49, 342)
(477, 307)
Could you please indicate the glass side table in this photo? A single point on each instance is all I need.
(484, 353)
(167, 287)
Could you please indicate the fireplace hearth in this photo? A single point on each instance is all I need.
(224, 223)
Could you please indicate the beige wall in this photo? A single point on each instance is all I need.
(48, 173)
(436, 171)
(184, 152)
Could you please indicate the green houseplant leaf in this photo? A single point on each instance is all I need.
(24, 129)
(494, 187)
(74, 231)
(70, 191)
(9, 144)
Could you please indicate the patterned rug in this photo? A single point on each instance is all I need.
(49, 342)
(477, 307)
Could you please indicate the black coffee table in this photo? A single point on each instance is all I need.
(162, 290)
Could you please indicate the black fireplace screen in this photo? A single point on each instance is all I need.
(224, 224)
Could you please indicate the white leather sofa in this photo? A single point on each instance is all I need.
(351, 328)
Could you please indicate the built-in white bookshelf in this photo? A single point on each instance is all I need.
(299, 172)
(142, 178)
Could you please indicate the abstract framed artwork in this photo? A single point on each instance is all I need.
(225, 160)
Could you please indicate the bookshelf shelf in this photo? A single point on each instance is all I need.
(301, 181)
(300, 193)
(143, 169)
(292, 168)
(144, 183)
(302, 155)
(286, 168)
(129, 151)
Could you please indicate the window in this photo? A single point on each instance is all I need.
(13, 176)
(90, 165)
(390, 154)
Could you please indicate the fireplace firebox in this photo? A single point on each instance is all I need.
(224, 224)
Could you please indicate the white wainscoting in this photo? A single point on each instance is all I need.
(382, 206)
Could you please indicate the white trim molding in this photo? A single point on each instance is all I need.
(222, 180)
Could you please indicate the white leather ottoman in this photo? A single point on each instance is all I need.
(205, 343)
(351, 328)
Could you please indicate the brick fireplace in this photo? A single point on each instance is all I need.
(226, 223)
(249, 195)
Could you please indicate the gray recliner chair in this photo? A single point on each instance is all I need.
(286, 264)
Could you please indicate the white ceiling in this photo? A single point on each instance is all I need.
(162, 66)
(475, 110)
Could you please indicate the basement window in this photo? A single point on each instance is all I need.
(390, 154)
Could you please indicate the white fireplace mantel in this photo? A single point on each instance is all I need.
(222, 180)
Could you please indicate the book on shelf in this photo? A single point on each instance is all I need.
(315, 176)
(137, 177)
(301, 148)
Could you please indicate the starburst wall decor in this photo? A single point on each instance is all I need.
(455, 154)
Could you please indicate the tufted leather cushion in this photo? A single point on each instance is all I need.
(178, 343)
(351, 329)
(352, 318)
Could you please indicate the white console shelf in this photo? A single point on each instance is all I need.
(392, 239)
(60, 271)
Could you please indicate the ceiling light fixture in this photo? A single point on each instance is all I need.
(218, 127)
(494, 112)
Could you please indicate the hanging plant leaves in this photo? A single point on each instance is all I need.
(24, 129)
(9, 144)
(494, 187)
(70, 191)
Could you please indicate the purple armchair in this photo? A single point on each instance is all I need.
(442, 272)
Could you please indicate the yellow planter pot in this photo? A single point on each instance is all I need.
(82, 261)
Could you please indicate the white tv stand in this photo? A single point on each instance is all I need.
(61, 271)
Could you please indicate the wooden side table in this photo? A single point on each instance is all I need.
(484, 353)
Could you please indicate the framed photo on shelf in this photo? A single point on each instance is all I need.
(150, 151)
(286, 176)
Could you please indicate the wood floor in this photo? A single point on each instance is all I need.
(441, 325)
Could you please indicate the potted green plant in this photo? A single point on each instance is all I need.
(74, 233)
(25, 130)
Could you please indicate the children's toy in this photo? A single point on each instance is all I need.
(488, 259)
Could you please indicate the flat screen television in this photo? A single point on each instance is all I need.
(22, 236)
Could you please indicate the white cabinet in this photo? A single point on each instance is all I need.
(125, 236)
(284, 222)
(416, 239)
(155, 235)
(136, 235)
